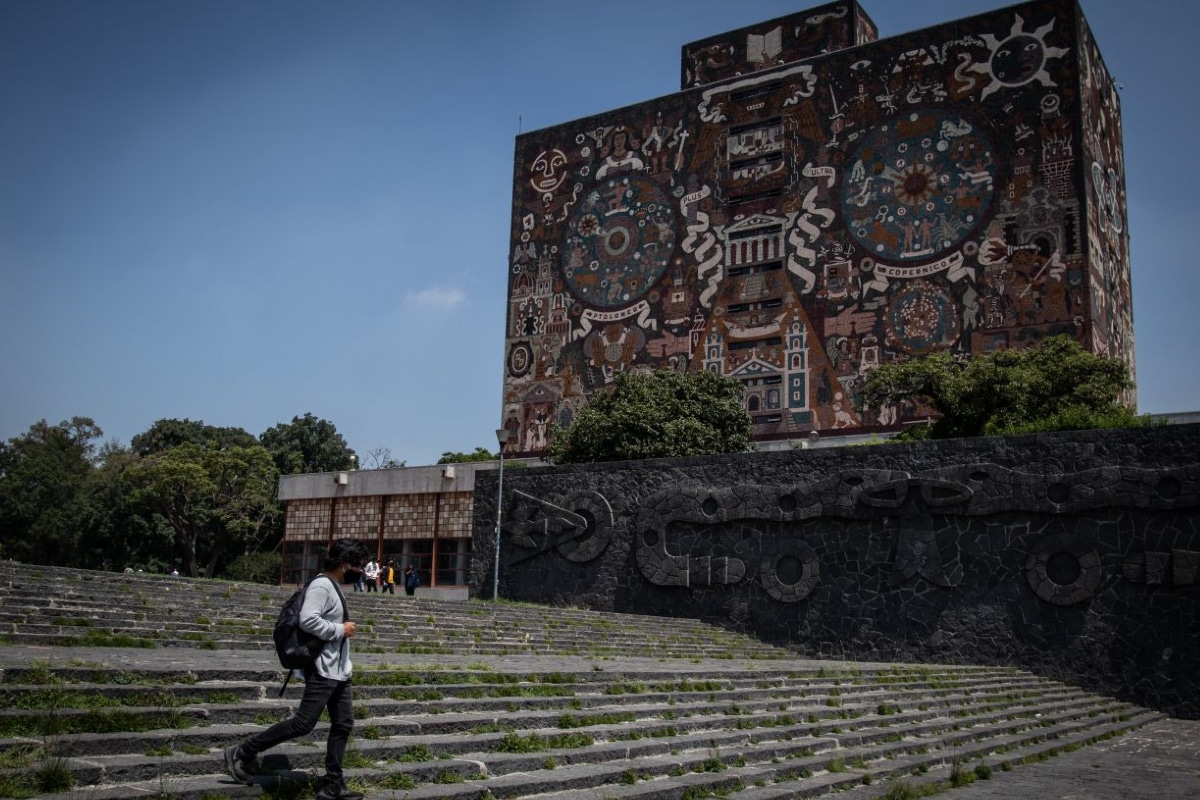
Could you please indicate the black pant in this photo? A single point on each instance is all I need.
(388, 588)
(319, 693)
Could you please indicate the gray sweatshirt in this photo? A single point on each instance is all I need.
(321, 615)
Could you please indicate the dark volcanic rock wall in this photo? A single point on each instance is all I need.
(1075, 554)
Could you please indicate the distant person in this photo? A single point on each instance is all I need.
(371, 575)
(389, 578)
(412, 580)
(174, 572)
(326, 682)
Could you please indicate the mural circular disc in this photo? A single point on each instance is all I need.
(596, 509)
(621, 238)
(922, 317)
(1088, 569)
(520, 359)
(918, 186)
(790, 591)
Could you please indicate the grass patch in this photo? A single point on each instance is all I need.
(397, 781)
(516, 743)
(416, 752)
(585, 720)
(90, 721)
(628, 687)
(372, 732)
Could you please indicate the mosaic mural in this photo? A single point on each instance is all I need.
(795, 224)
(809, 33)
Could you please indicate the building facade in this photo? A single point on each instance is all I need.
(815, 202)
(415, 515)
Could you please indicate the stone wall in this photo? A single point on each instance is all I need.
(1073, 554)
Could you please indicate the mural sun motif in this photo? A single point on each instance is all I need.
(1021, 57)
(916, 184)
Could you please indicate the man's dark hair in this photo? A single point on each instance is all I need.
(348, 551)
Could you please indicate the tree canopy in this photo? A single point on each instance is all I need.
(660, 414)
(1055, 385)
(183, 494)
(167, 433)
(217, 501)
(479, 454)
(307, 444)
(43, 478)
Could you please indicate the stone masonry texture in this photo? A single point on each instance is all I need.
(1076, 555)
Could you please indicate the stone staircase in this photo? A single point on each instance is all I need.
(65, 608)
(531, 702)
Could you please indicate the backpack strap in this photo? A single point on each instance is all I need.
(287, 675)
(345, 606)
(342, 597)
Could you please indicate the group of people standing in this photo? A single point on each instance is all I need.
(383, 577)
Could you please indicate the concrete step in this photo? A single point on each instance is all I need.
(654, 769)
(653, 728)
(704, 713)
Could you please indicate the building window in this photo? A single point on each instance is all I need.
(453, 559)
(753, 197)
(302, 561)
(771, 341)
(755, 269)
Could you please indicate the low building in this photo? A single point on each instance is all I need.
(411, 515)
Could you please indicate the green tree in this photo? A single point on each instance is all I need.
(114, 534)
(219, 502)
(1055, 385)
(168, 433)
(43, 474)
(480, 454)
(307, 444)
(255, 568)
(656, 415)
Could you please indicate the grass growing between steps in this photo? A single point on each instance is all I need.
(43, 674)
(102, 638)
(51, 775)
(50, 699)
(959, 776)
(91, 721)
(532, 743)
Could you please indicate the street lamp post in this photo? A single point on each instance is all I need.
(502, 439)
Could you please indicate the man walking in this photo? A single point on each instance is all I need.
(412, 579)
(326, 682)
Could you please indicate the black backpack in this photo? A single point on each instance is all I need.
(296, 647)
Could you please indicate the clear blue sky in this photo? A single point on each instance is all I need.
(244, 210)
